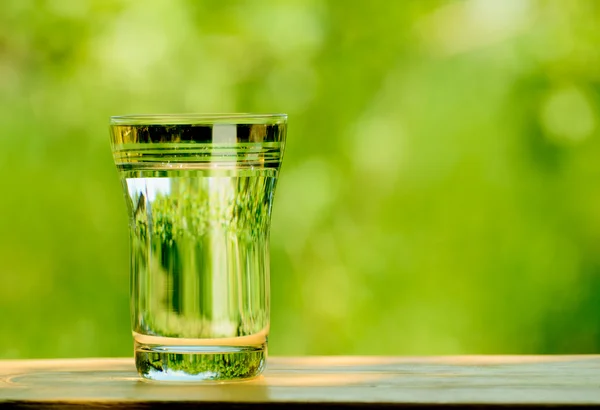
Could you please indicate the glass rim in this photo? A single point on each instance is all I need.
(193, 119)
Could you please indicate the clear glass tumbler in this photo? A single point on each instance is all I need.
(199, 191)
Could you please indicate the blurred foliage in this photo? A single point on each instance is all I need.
(438, 193)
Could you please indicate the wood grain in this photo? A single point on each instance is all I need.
(315, 382)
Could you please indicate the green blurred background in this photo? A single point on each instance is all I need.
(440, 192)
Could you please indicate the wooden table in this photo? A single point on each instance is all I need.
(315, 383)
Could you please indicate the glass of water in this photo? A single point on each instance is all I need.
(199, 191)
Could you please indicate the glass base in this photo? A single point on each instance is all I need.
(199, 363)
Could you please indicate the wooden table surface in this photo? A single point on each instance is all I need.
(314, 382)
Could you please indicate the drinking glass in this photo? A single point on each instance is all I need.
(199, 191)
